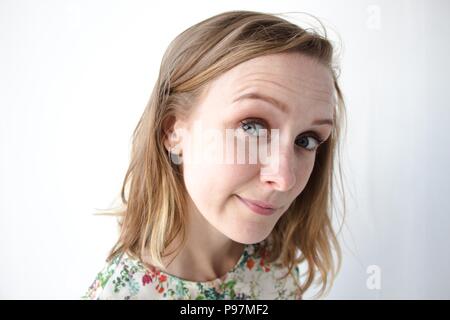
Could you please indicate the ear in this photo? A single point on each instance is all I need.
(173, 132)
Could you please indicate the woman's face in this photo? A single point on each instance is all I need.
(305, 90)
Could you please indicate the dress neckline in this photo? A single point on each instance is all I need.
(233, 270)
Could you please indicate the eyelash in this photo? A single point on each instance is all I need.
(263, 123)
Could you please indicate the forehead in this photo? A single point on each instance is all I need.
(296, 80)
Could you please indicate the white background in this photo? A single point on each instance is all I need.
(75, 77)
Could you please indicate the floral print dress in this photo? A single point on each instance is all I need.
(251, 278)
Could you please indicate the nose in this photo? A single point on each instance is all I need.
(280, 170)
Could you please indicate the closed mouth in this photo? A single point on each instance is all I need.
(266, 211)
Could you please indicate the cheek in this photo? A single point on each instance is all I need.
(211, 185)
(303, 174)
(209, 165)
(214, 183)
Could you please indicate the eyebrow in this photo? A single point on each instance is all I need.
(278, 104)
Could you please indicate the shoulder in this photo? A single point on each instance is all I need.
(114, 280)
(101, 279)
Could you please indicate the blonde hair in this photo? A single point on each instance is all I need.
(153, 193)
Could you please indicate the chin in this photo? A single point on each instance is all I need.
(246, 238)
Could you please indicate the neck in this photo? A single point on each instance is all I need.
(206, 255)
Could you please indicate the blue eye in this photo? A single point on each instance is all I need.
(316, 140)
(250, 127)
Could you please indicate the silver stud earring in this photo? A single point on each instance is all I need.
(174, 157)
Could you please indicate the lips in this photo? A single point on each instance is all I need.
(258, 207)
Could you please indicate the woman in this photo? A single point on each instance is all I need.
(192, 228)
